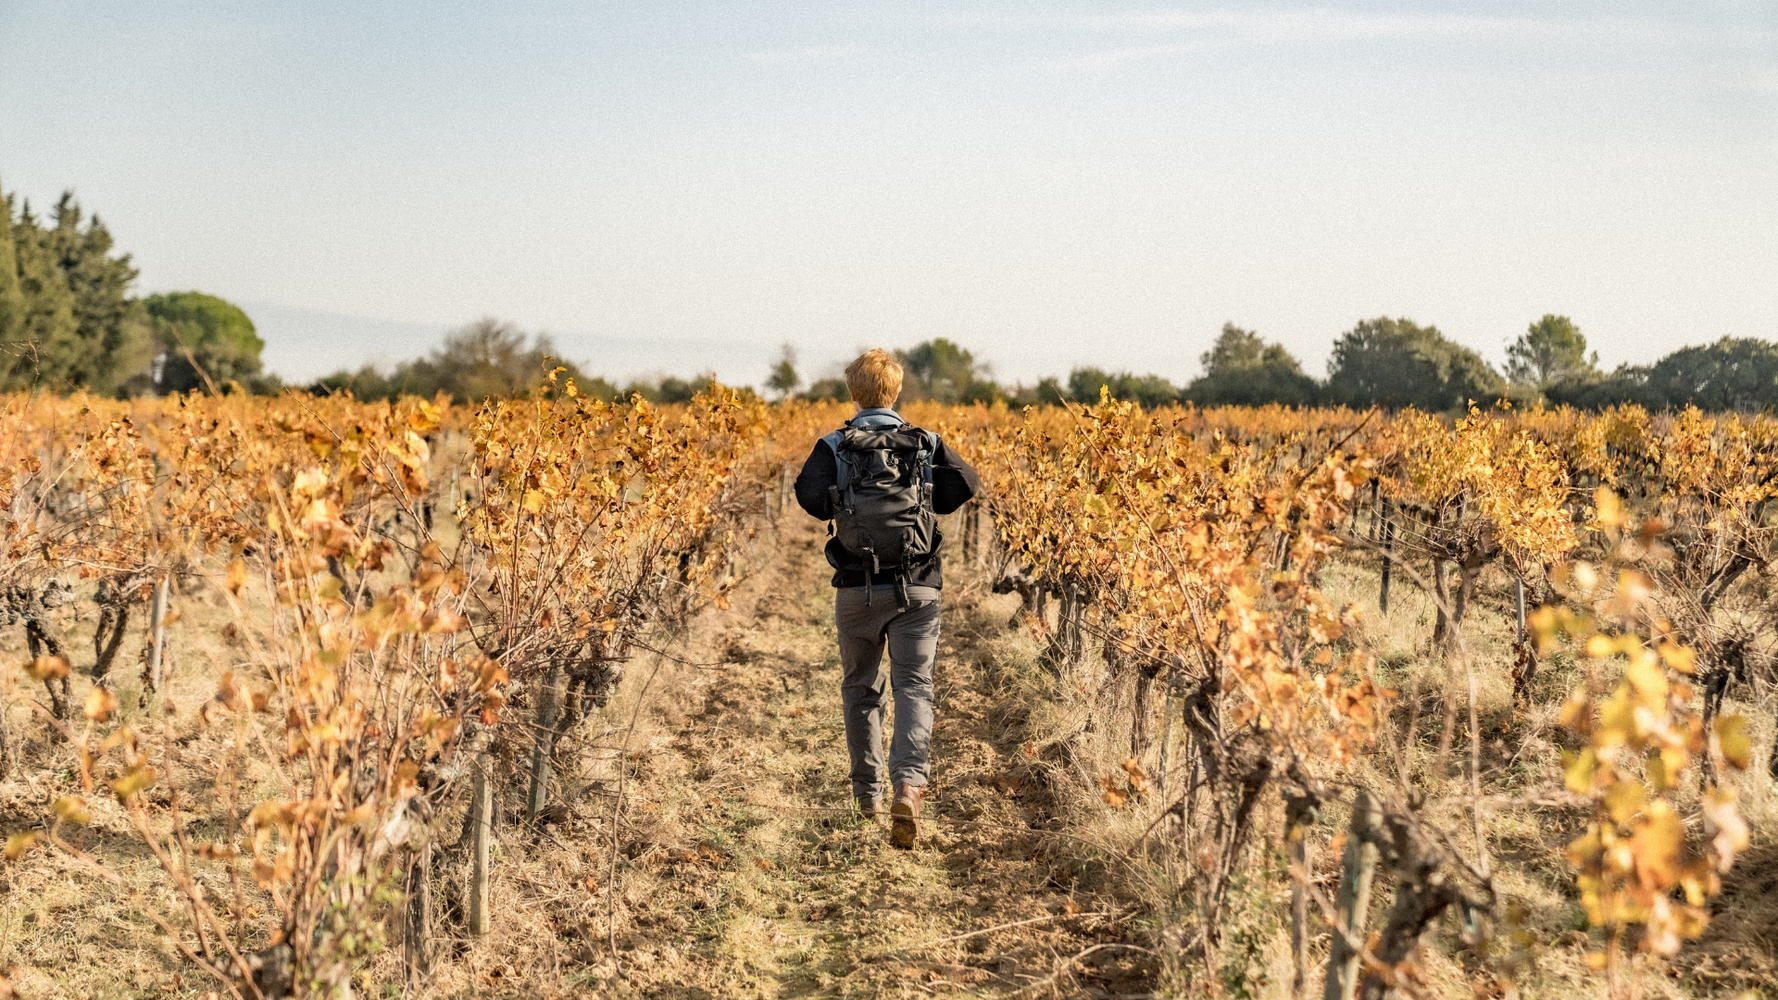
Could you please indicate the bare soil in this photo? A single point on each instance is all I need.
(763, 881)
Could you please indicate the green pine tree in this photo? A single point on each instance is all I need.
(67, 320)
(113, 341)
(46, 332)
(1397, 363)
(217, 335)
(12, 297)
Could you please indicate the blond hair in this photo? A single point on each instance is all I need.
(874, 379)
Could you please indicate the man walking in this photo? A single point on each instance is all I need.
(882, 483)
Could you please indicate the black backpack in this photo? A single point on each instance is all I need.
(882, 501)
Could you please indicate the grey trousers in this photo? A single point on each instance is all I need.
(912, 638)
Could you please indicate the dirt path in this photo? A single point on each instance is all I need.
(758, 879)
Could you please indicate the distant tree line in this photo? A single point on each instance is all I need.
(1398, 363)
(1394, 363)
(494, 358)
(68, 320)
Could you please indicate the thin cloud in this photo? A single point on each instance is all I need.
(1329, 24)
(1321, 24)
(1304, 22)
(810, 54)
(1199, 31)
(1108, 58)
(1762, 80)
(1161, 34)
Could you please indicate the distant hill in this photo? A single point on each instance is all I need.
(302, 345)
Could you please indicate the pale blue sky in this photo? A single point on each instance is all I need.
(673, 186)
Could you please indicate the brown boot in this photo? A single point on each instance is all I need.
(870, 808)
(906, 815)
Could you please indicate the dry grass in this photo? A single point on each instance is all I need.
(741, 869)
(63, 930)
(742, 872)
(1090, 720)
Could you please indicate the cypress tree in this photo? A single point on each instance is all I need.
(12, 298)
(37, 352)
(113, 340)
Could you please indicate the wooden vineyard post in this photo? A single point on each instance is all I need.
(481, 816)
(1139, 716)
(990, 540)
(1440, 589)
(543, 747)
(990, 547)
(1524, 659)
(1077, 652)
(1355, 899)
(157, 615)
(1160, 774)
(1388, 562)
(1284, 543)
(1064, 614)
(418, 939)
(1441, 592)
(1299, 815)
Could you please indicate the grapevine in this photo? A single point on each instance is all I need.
(412, 602)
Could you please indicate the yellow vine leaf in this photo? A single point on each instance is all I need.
(1733, 741)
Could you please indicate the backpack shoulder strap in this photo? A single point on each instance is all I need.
(833, 444)
(926, 458)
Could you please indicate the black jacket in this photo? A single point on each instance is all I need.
(953, 484)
